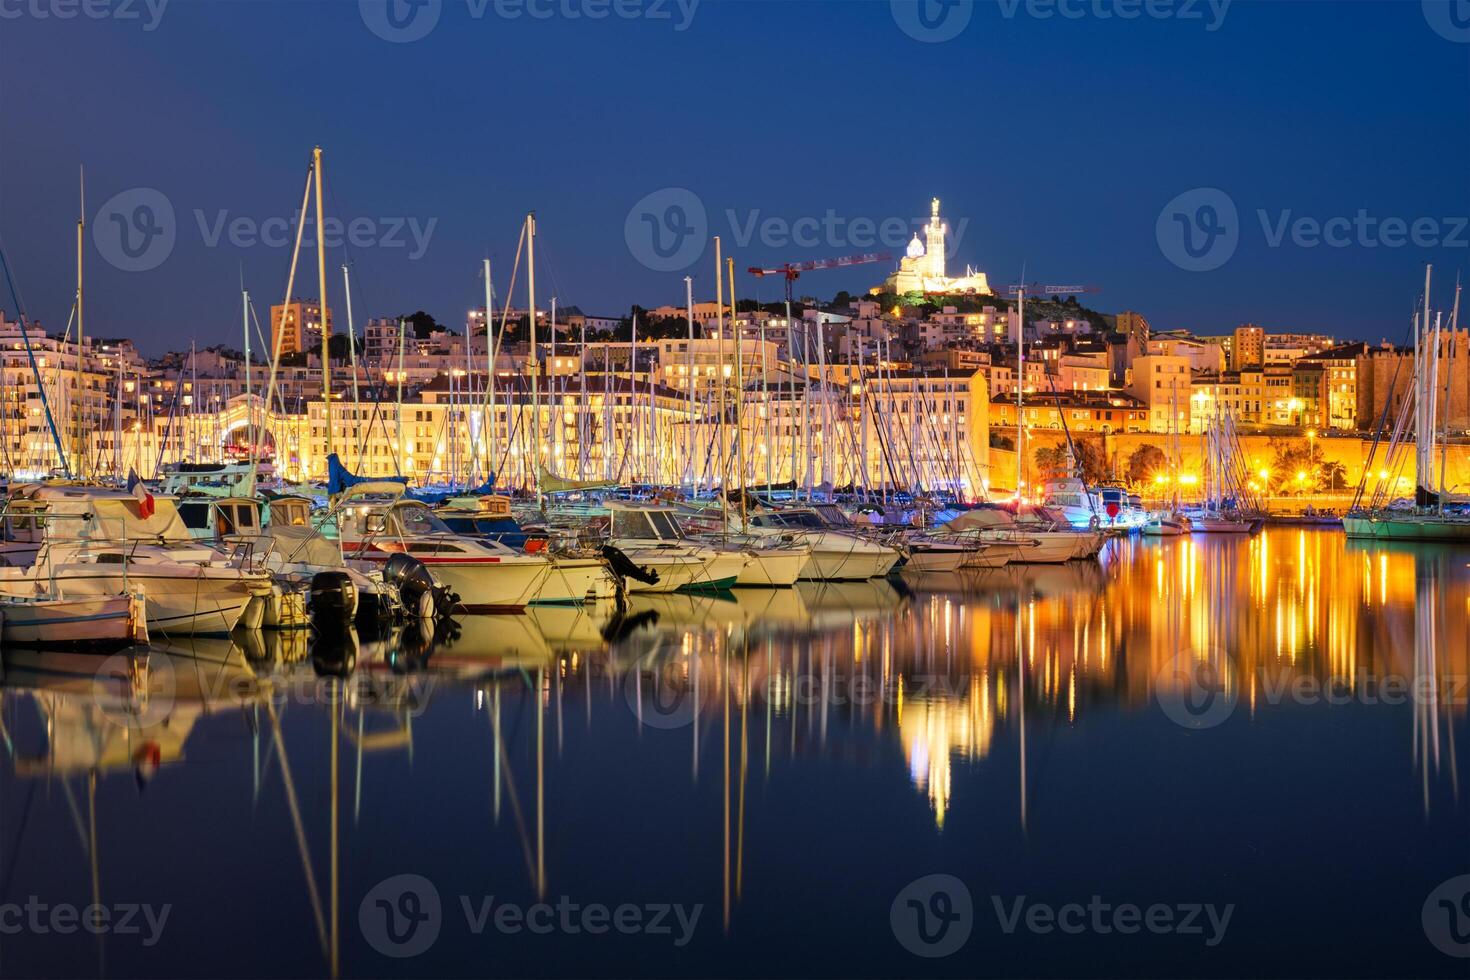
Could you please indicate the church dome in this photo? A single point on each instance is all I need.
(916, 248)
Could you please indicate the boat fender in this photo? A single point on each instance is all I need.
(624, 567)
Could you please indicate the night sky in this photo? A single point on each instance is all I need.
(1061, 144)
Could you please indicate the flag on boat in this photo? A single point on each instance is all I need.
(137, 488)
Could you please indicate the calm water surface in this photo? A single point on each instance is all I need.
(1270, 732)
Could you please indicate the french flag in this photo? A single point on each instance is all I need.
(137, 489)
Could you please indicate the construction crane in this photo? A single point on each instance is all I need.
(792, 270)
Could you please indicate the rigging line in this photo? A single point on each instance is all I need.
(31, 356)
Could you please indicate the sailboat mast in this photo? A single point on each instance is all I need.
(739, 396)
(532, 360)
(689, 370)
(78, 451)
(490, 352)
(321, 278)
(1020, 383)
(720, 380)
(249, 402)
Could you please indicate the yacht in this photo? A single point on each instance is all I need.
(650, 537)
(95, 541)
(838, 552)
(376, 520)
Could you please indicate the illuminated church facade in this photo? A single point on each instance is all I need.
(921, 270)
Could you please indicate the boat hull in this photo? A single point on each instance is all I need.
(1400, 529)
(573, 581)
(841, 558)
(103, 622)
(186, 600)
(773, 568)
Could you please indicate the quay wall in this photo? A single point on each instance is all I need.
(1353, 452)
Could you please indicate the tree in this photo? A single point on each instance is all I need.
(1332, 475)
(1144, 462)
(422, 323)
(1093, 459)
(1052, 461)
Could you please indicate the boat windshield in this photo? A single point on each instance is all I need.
(832, 515)
(664, 523)
(417, 519)
(789, 518)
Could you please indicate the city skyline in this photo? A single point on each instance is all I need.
(431, 160)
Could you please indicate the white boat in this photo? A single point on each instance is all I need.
(838, 553)
(575, 578)
(942, 553)
(101, 543)
(650, 536)
(100, 622)
(1222, 524)
(376, 521)
(1166, 526)
(773, 565)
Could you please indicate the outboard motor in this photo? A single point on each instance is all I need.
(422, 597)
(333, 602)
(625, 568)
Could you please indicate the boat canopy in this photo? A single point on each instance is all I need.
(98, 513)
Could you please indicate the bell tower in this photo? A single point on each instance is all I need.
(934, 242)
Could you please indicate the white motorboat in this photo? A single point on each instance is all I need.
(101, 542)
(101, 622)
(838, 552)
(650, 537)
(376, 521)
(1166, 526)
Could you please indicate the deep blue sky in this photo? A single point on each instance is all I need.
(1058, 142)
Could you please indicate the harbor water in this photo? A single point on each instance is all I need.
(1220, 755)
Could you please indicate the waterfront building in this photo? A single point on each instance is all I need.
(296, 326)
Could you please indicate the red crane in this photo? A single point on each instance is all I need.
(792, 270)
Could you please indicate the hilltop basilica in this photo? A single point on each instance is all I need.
(922, 269)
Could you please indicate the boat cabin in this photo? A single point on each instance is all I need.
(644, 523)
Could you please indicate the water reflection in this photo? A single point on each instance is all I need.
(958, 685)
